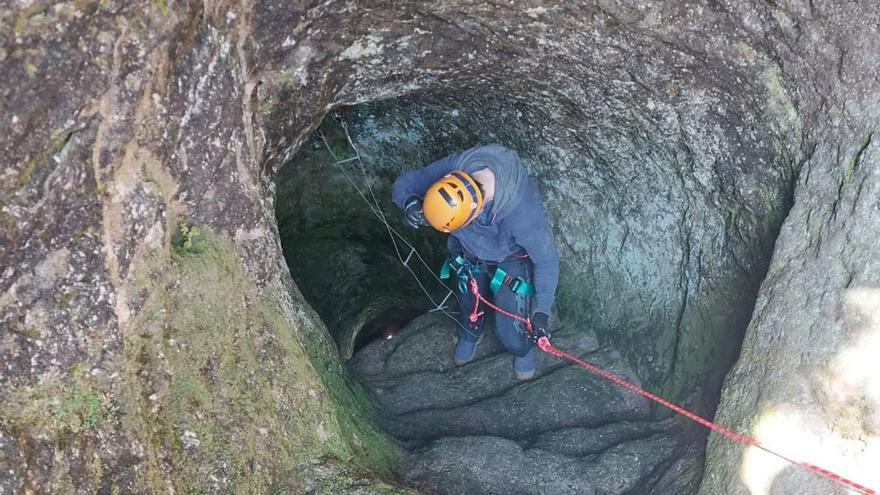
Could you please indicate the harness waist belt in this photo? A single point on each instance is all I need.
(500, 278)
(516, 284)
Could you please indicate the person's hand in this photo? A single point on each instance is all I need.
(413, 216)
(540, 327)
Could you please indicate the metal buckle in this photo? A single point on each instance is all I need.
(517, 283)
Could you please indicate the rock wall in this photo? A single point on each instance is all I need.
(806, 383)
(141, 356)
(138, 357)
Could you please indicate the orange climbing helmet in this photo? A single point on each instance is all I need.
(453, 201)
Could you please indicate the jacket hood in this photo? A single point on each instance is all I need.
(510, 176)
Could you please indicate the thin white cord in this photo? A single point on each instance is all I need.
(376, 209)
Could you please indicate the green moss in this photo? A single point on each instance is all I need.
(7, 223)
(856, 159)
(62, 484)
(218, 384)
(781, 115)
(58, 407)
(65, 297)
(780, 107)
(369, 446)
(147, 176)
(59, 139)
(28, 331)
(96, 467)
(188, 240)
(24, 15)
(162, 5)
(340, 150)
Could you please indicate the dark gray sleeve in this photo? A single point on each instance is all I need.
(416, 182)
(533, 233)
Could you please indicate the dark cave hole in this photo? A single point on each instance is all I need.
(385, 326)
(339, 253)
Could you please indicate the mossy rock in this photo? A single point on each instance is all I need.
(218, 386)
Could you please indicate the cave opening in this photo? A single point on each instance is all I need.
(339, 251)
(663, 250)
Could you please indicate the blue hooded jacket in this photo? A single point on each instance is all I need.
(514, 222)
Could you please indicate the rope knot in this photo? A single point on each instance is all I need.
(474, 316)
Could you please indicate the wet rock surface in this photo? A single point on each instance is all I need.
(476, 428)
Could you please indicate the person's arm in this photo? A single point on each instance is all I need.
(416, 182)
(535, 236)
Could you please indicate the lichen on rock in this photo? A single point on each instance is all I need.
(684, 150)
(218, 386)
(125, 121)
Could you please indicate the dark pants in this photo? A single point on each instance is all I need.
(511, 333)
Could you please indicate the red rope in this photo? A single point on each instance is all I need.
(475, 290)
(545, 345)
(475, 312)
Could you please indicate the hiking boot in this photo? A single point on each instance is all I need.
(465, 350)
(524, 367)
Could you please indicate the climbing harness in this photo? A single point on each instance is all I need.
(517, 284)
(543, 342)
(453, 264)
(463, 267)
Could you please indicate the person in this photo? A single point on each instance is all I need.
(499, 236)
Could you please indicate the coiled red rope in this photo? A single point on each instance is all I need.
(545, 345)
